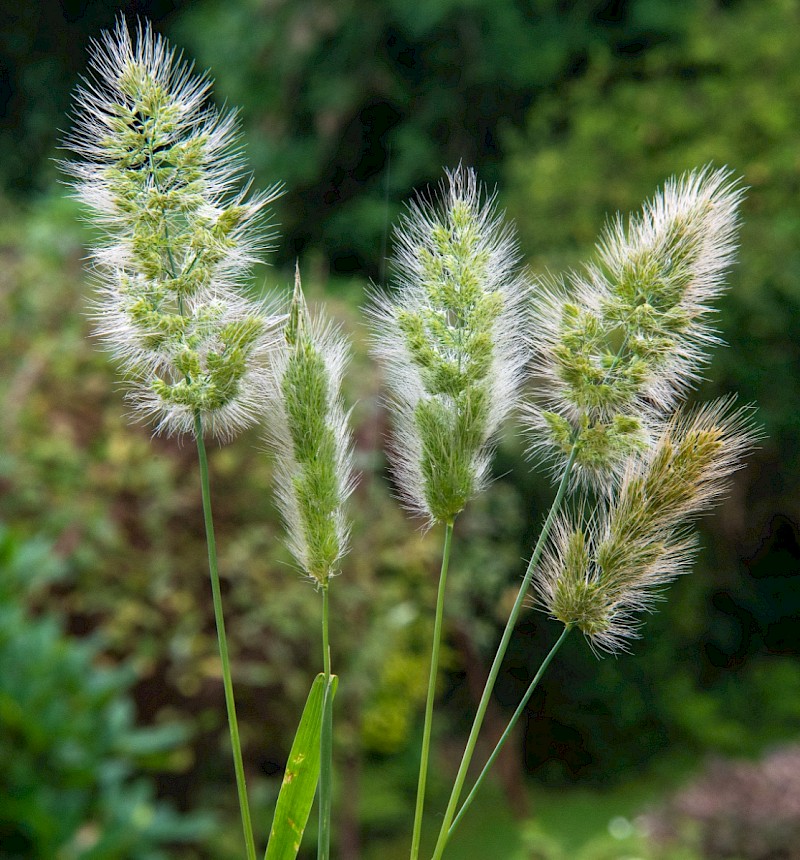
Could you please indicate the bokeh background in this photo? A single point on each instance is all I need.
(113, 742)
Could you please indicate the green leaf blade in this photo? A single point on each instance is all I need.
(300, 779)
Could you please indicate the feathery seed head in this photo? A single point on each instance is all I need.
(308, 432)
(452, 342)
(663, 271)
(159, 170)
(598, 575)
(627, 340)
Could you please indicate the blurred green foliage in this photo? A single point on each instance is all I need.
(602, 144)
(353, 104)
(70, 754)
(42, 51)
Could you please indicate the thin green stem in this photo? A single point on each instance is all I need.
(326, 648)
(498, 658)
(426, 735)
(223, 642)
(326, 741)
(510, 728)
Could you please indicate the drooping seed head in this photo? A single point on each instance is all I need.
(598, 575)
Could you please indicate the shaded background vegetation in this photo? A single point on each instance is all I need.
(574, 109)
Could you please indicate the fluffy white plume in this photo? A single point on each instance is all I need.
(600, 572)
(308, 430)
(617, 346)
(161, 172)
(452, 340)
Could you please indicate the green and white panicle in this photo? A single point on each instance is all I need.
(453, 343)
(161, 173)
(598, 574)
(621, 345)
(307, 428)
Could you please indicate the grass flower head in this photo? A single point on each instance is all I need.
(160, 172)
(307, 428)
(452, 341)
(620, 348)
(599, 574)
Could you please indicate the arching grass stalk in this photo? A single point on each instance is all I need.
(509, 728)
(426, 735)
(230, 703)
(498, 658)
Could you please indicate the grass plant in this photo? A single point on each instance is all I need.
(598, 364)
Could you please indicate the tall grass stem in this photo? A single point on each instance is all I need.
(426, 735)
(509, 728)
(223, 642)
(326, 740)
(498, 658)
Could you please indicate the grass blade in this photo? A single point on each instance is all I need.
(300, 780)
